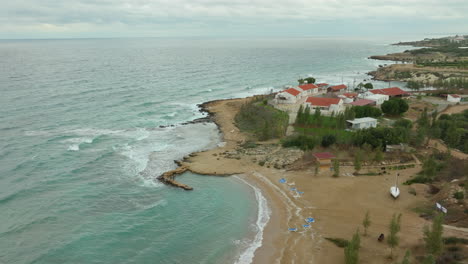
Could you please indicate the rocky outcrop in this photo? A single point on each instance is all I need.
(168, 178)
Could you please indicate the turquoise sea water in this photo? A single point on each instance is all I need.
(81, 143)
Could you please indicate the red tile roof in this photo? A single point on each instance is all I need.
(322, 84)
(308, 86)
(389, 91)
(362, 102)
(322, 101)
(324, 155)
(338, 87)
(455, 95)
(292, 91)
(350, 95)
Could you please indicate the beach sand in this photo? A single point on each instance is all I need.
(337, 204)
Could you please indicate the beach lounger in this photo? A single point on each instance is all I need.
(291, 183)
(293, 189)
(306, 226)
(293, 229)
(282, 180)
(310, 220)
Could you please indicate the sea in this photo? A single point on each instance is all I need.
(86, 126)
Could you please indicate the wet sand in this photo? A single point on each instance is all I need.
(337, 204)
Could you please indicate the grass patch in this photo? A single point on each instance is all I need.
(339, 242)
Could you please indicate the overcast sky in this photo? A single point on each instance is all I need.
(225, 18)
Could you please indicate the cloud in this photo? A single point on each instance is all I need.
(103, 15)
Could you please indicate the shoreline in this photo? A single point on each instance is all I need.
(338, 204)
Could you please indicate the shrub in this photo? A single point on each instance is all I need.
(303, 142)
(459, 195)
(339, 242)
(394, 107)
(328, 140)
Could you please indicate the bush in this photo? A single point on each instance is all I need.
(366, 111)
(459, 195)
(264, 121)
(301, 141)
(328, 140)
(405, 123)
(394, 107)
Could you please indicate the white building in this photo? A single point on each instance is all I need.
(378, 98)
(288, 96)
(361, 123)
(453, 98)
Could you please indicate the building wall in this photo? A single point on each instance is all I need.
(453, 99)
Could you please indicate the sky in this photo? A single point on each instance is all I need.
(230, 18)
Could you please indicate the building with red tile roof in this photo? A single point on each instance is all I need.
(350, 95)
(309, 88)
(292, 91)
(288, 96)
(322, 101)
(337, 88)
(322, 84)
(324, 160)
(391, 92)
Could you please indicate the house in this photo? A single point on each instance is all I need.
(324, 160)
(327, 106)
(362, 123)
(362, 102)
(288, 96)
(309, 88)
(377, 98)
(337, 88)
(391, 92)
(453, 98)
(348, 97)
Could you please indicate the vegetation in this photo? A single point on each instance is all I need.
(453, 130)
(393, 240)
(394, 107)
(406, 258)
(261, 119)
(429, 260)
(381, 136)
(351, 251)
(357, 161)
(451, 83)
(433, 237)
(366, 111)
(459, 195)
(303, 142)
(336, 168)
(308, 80)
(339, 242)
(366, 222)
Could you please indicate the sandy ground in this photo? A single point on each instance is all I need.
(337, 204)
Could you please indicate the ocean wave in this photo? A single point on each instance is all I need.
(263, 217)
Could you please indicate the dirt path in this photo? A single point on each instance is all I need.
(454, 109)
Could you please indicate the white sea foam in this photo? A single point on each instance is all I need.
(74, 147)
(263, 216)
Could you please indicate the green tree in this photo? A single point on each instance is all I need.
(429, 260)
(366, 222)
(300, 115)
(378, 155)
(394, 106)
(351, 251)
(393, 240)
(336, 168)
(306, 117)
(368, 86)
(310, 80)
(433, 237)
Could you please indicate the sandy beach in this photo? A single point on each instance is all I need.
(338, 204)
